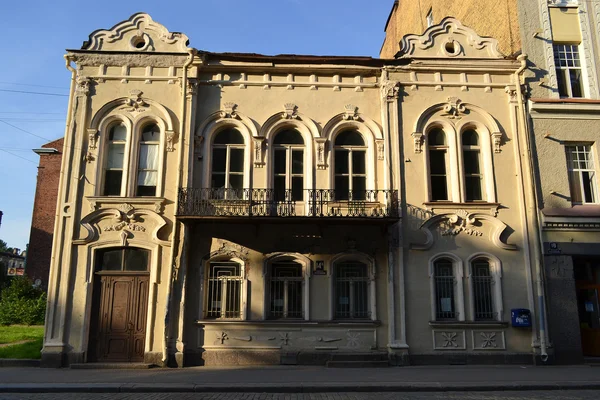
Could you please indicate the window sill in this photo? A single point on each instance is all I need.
(470, 206)
(468, 324)
(290, 322)
(97, 202)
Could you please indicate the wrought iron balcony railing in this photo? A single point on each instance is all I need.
(316, 203)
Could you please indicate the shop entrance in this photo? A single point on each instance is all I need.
(587, 280)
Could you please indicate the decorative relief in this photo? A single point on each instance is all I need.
(170, 138)
(418, 141)
(135, 102)
(258, 151)
(126, 220)
(290, 111)
(321, 164)
(497, 141)
(254, 338)
(590, 64)
(449, 340)
(320, 339)
(353, 339)
(229, 249)
(351, 113)
(191, 87)
(285, 338)
(488, 340)
(455, 109)
(547, 43)
(92, 139)
(229, 111)
(563, 3)
(462, 221)
(380, 150)
(83, 84)
(221, 338)
(390, 90)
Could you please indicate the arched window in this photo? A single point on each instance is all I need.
(485, 275)
(147, 172)
(350, 155)
(224, 291)
(438, 164)
(351, 290)
(286, 292)
(445, 296)
(472, 165)
(228, 160)
(129, 259)
(288, 165)
(115, 156)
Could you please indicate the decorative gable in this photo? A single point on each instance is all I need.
(449, 39)
(138, 34)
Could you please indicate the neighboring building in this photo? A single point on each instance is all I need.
(44, 213)
(229, 208)
(13, 262)
(561, 40)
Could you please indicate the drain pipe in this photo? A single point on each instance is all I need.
(537, 239)
(174, 242)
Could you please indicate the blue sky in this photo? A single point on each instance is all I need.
(36, 33)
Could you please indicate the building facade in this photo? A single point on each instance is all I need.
(39, 250)
(560, 38)
(246, 209)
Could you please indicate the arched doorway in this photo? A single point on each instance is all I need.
(119, 305)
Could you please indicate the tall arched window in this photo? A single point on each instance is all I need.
(113, 169)
(224, 291)
(445, 302)
(147, 175)
(288, 165)
(438, 164)
(286, 291)
(350, 155)
(351, 290)
(483, 299)
(472, 165)
(228, 160)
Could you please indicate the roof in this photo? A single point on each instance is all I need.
(305, 59)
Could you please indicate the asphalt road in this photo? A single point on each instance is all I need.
(529, 395)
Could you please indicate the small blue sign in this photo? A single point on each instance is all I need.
(520, 317)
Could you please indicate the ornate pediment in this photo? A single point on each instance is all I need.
(139, 34)
(449, 39)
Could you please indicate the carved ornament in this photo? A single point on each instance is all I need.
(351, 113)
(462, 221)
(380, 150)
(229, 110)
(390, 90)
(92, 139)
(126, 220)
(418, 141)
(170, 139)
(258, 151)
(454, 109)
(290, 111)
(321, 142)
(135, 102)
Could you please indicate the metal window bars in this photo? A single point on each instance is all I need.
(482, 292)
(286, 291)
(321, 203)
(224, 290)
(351, 291)
(445, 309)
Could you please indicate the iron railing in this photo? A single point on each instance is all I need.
(221, 202)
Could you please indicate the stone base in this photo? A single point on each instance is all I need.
(241, 357)
(52, 360)
(154, 358)
(471, 359)
(75, 358)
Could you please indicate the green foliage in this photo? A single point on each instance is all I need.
(21, 303)
(3, 245)
(29, 350)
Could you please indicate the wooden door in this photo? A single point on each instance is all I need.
(121, 318)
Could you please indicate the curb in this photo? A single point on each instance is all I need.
(289, 388)
(17, 363)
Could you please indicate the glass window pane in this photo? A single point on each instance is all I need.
(473, 188)
(342, 187)
(349, 138)
(110, 260)
(236, 181)
(439, 188)
(116, 154)
(297, 188)
(219, 159)
(118, 132)
(437, 162)
(562, 87)
(297, 161)
(145, 191)
(470, 138)
(288, 137)
(147, 178)
(148, 156)
(218, 181)
(358, 162)
(341, 161)
(136, 260)
(471, 160)
(437, 137)
(112, 183)
(229, 136)
(150, 133)
(279, 187)
(280, 166)
(359, 187)
(588, 190)
(236, 160)
(576, 83)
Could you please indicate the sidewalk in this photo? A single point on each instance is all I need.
(301, 379)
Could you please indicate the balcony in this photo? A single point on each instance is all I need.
(254, 204)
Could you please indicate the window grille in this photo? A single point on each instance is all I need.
(444, 290)
(286, 290)
(568, 70)
(351, 291)
(482, 291)
(223, 300)
(582, 175)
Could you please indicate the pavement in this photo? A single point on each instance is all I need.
(302, 379)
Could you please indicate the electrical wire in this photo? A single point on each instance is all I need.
(18, 156)
(28, 92)
(29, 84)
(23, 130)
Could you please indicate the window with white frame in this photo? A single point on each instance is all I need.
(115, 160)
(350, 154)
(286, 290)
(568, 70)
(473, 176)
(351, 290)
(582, 175)
(228, 160)
(147, 175)
(438, 165)
(224, 291)
(288, 166)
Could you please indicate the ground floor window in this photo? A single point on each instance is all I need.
(224, 291)
(286, 290)
(351, 290)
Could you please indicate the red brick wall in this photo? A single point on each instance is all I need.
(44, 210)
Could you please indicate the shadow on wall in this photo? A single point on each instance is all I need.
(39, 253)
